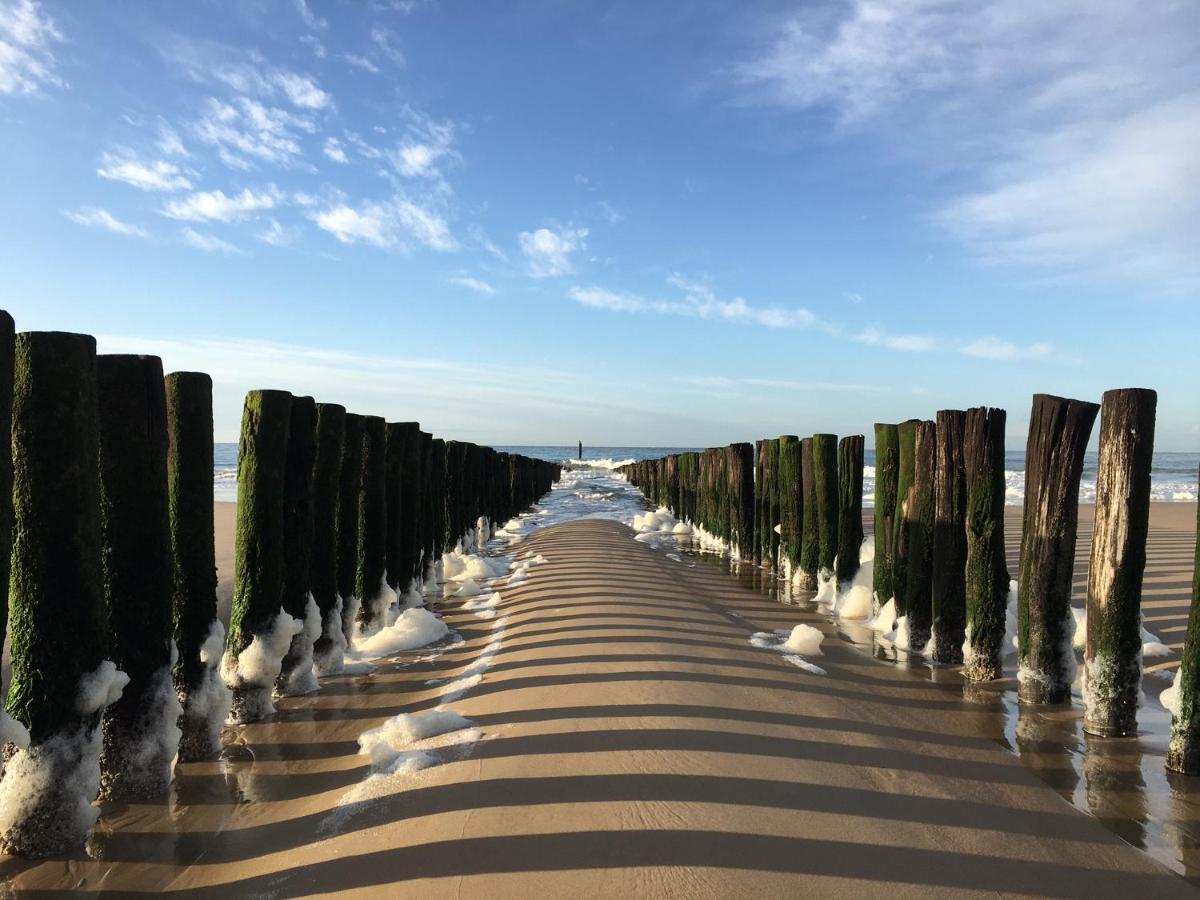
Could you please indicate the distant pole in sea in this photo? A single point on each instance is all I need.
(256, 616)
(1183, 751)
(887, 461)
(916, 540)
(825, 486)
(986, 587)
(1058, 436)
(1112, 676)
(580, 456)
(810, 530)
(370, 585)
(58, 625)
(140, 729)
(297, 676)
(949, 539)
(850, 499)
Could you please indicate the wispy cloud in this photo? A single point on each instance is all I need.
(386, 41)
(207, 242)
(472, 284)
(334, 150)
(245, 72)
(360, 62)
(397, 224)
(27, 36)
(208, 206)
(169, 141)
(247, 130)
(310, 18)
(1070, 127)
(94, 217)
(725, 383)
(149, 175)
(278, 235)
(548, 252)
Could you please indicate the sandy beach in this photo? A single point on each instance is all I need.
(629, 740)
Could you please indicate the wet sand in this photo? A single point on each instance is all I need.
(633, 744)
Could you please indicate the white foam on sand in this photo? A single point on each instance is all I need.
(412, 629)
(854, 601)
(212, 699)
(67, 763)
(457, 687)
(333, 658)
(157, 744)
(303, 677)
(801, 641)
(484, 607)
(389, 745)
(258, 666)
(1152, 647)
(1170, 698)
(379, 608)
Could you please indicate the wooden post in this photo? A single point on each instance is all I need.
(916, 538)
(411, 489)
(323, 562)
(906, 437)
(8, 349)
(771, 508)
(437, 495)
(428, 508)
(810, 538)
(370, 585)
(403, 498)
(140, 734)
(349, 478)
(759, 496)
(58, 628)
(1058, 435)
(949, 539)
(1183, 752)
(199, 635)
(887, 463)
(741, 498)
(297, 676)
(789, 489)
(986, 583)
(825, 485)
(1113, 658)
(257, 613)
(850, 491)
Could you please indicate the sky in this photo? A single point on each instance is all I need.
(671, 224)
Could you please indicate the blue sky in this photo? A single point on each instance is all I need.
(690, 224)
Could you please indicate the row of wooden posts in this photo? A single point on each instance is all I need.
(796, 505)
(107, 544)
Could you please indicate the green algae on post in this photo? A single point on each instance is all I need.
(349, 476)
(740, 461)
(1183, 752)
(949, 539)
(916, 538)
(810, 538)
(906, 436)
(7, 351)
(887, 461)
(825, 485)
(986, 580)
(370, 586)
(323, 561)
(296, 675)
(790, 488)
(850, 525)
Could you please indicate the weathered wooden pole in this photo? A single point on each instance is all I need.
(789, 485)
(887, 467)
(906, 437)
(329, 648)
(850, 491)
(8, 339)
(370, 585)
(916, 538)
(260, 632)
(1183, 751)
(58, 626)
(1113, 656)
(771, 509)
(437, 495)
(410, 506)
(1058, 435)
(297, 675)
(199, 634)
(986, 582)
(349, 478)
(949, 538)
(810, 534)
(825, 487)
(759, 518)
(141, 735)
(741, 498)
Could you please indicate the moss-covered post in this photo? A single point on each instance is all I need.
(850, 492)
(887, 467)
(260, 632)
(199, 634)
(949, 538)
(329, 648)
(769, 549)
(789, 487)
(297, 675)
(825, 486)
(437, 497)
(916, 538)
(906, 437)
(810, 530)
(8, 338)
(349, 477)
(141, 736)
(427, 532)
(370, 585)
(58, 625)
(1112, 675)
(404, 497)
(1058, 436)
(986, 583)
(1183, 751)
(758, 500)
(741, 498)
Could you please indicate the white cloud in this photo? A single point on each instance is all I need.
(549, 252)
(156, 175)
(311, 19)
(1069, 128)
(725, 383)
(206, 206)
(998, 349)
(313, 43)
(427, 143)
(94, 217)
(874, 336)
(26, 36)
(246, 129)
(169, 142)
(247, 73)
(396, 224)
(301, 90)
(853, 297)
(207, 242)
(385, 40)
(360, 62)
(480, 237)
(278, 235)
(334, 150)
(472, 284)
